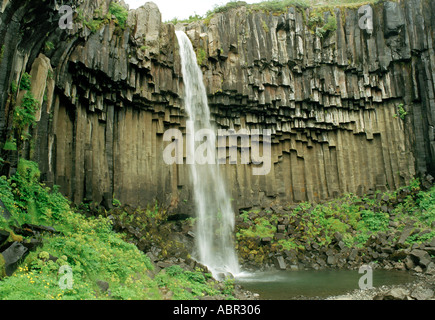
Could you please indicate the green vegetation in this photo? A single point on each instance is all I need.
(316, 23)
(265, 27)
(401, 112)
(88, 246)
(2, 53)
(25, 82)
(355, 218)
(24, 116)
(201, 56)
(275, 7)
(10, 145)
(175, 279)
(48, 46)
(120, 13)
(98, 20)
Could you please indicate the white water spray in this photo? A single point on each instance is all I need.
(215, 216)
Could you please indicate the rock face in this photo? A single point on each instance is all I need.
(349, 110)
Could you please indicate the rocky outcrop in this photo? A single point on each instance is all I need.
(350, 111)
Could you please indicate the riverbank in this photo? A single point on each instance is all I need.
(388, 230)
(395, 230)
(115, 253)
(422, 288)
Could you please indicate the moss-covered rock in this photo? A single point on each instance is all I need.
(2, 267)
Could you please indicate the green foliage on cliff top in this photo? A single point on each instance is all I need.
(88, 245)
(120, 13)
(273, 6)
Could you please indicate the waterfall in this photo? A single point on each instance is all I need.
(215, 217)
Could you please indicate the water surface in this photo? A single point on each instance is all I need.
(288, 285)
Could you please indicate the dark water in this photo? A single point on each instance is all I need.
(287, 285)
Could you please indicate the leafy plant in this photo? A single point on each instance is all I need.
(116, 203)
(24, 115)
(48, 46)
(201, 56)
(10, 145)
(120, 13)
(401, 112)
(25, 82)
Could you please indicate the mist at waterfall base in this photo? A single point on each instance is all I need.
(215, 216)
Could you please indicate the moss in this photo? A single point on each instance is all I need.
(28, 169)
(25, 82)
(317, 24)
(2, 267)
(15, 238)
(265, 27)
(120, 13)
(201, 56)
(2, 53)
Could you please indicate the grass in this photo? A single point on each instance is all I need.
(273, 7)
(88, 246)
(201, 56)
(99, 20)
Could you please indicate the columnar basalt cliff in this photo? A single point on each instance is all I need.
(350, 110)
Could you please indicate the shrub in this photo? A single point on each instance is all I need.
(25, 82)
(24, 116)
(120, 13)
(201, 56)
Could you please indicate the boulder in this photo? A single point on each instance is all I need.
(422, 294)
(393, 294)
(266, 240)
(4, 211)
(103, 285)
(4, 235)
(279, 236)
(421, 257)
(12, 256)
(280, 263)
(281, 228)
(399, 255)
(430, 270)
(409, 263)
(332, 260)
(404, 235)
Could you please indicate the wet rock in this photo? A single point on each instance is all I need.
(353, 254)
(404, 236)
(294, 267)
(280, 263)
(399, 255)
(332, 260)
(421, 257)
(394, 294)
(422, 294)
(4, 211)
(393, 19)
(279, 236)
(281, 228)
(266, 240)
(430, 250)
(4, 235)
(409, 263)
(12, 256)
(430, 270)
(103, 285)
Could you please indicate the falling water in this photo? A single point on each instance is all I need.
(215, 216)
